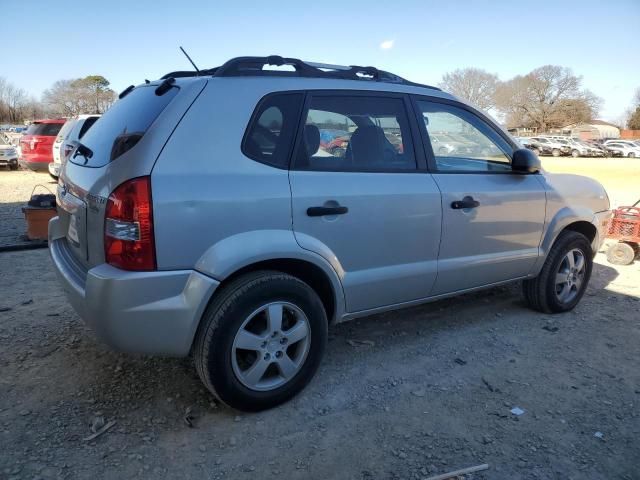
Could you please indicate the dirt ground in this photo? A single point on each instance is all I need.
(429, 391)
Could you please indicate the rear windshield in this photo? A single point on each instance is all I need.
(45, 129)
(123, 125)
(64, 131)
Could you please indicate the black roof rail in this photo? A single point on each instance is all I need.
(254, 67)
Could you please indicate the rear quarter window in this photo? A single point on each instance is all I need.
(123, 125)
(269, 137)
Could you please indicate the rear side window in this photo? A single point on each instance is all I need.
(87, 125)
(123, 125)
(269, 138)
(66, 129)
(356, 133)
(44, 129)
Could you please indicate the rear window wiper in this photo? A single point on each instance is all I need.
(165, 86)
(82, 149)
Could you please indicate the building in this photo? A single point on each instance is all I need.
(523, 131)
(593, 130)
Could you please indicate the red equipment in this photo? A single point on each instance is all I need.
(624, 227)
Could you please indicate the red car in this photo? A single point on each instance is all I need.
(37, 143)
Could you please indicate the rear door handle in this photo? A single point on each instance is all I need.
(466, 202)
(321, 211)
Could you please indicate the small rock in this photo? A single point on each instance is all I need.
(517, 411)
(28, 302)
(419, 393)
(402, 455)
(550, 329)
(5, 309)
(202, 448)
(24, 413)
(460, 361)
(598, 435)
(237, 419)
(233, 441)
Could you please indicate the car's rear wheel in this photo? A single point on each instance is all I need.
(555, 152)
(13, 166)
(632, 155)
(261, 340)
(564, 276)
(575, 153)
(621, 253)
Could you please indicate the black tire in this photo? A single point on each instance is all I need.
(536, 151)
(621, 253)
(539, 292)
(224, 317)
(575, 153)
(631, 155)
(555, 152)
(13, 167)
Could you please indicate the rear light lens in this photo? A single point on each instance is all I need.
(128, 227)
(67, 150)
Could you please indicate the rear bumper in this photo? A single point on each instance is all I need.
(138, 312)
(35, 163)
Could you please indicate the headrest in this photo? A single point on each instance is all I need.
(311, 139)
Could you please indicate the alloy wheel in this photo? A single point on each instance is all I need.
(570, 275)
(271, 346)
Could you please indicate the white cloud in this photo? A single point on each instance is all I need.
(387, 45)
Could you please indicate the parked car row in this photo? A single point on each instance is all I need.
(623, 148)
(557, 146)
(46, 143)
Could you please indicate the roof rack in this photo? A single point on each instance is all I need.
(254, 67)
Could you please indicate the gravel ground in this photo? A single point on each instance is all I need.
(15, 191)
(400, 396)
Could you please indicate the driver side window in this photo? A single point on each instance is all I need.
(463, 142)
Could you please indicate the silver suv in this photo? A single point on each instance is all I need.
(206, 215)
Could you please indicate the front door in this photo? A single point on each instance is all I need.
(360, 201)
(493, 218)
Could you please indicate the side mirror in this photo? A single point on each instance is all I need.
(525, 161)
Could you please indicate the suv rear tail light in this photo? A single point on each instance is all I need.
(67, 150)
(128, 226)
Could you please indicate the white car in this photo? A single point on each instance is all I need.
(623, 149)
(551, 146)
(8, 157)
(72, 130)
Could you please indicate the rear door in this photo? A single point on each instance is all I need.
(492, 217)
(367, 206)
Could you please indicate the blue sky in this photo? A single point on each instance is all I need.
(127, 41)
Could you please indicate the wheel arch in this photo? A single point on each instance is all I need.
(274, 250)
(581, 220)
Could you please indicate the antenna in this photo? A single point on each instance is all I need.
(189, 58)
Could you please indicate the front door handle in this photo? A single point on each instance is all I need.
(321, 211)
(466, 202)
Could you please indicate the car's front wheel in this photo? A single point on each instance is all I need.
(564, 276)
(261, 340)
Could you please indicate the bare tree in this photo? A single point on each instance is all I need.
(12, 102)
(548, 97)
(472, 84)
(82, 95)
